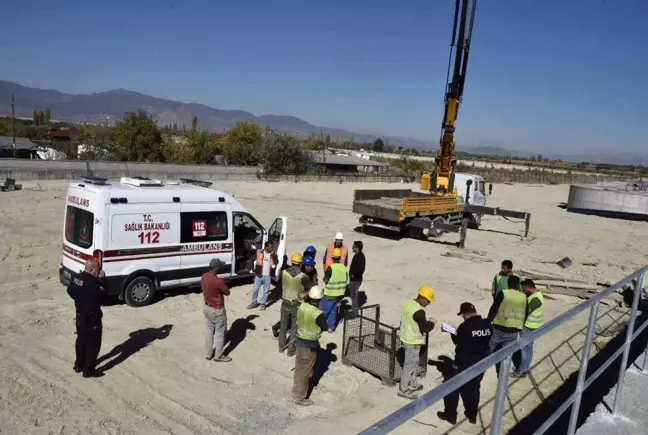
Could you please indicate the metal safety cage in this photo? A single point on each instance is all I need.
(504, 356)
(375, 347)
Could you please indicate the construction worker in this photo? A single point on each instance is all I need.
(335, 280)
(308, 267)
(310, 251)
(507, 314)
(294, 284)
(356, 272)
(328, 254)
(413, 328)
(263, 266)
(490, 189)
(87, 291)
(500, 282)
(310, 324)
(534, 318)
(472, 339)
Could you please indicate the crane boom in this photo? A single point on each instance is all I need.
(442, 182)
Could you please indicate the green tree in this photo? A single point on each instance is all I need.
(378, 145)
(137, 138)
(94, 142)
(194, 123)
(282, 154)
(46, 115)
(35, 117)
(242, 144)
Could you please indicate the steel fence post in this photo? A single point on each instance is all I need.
(628, 342)
(500, 396)
(582, 372)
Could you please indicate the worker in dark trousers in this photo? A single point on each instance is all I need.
(472, 339)
(87, 291)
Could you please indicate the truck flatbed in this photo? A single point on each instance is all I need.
(400, 205)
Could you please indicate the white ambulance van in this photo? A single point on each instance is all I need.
(150, 235)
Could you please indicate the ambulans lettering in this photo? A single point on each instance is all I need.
(203, 247)
(84, 202)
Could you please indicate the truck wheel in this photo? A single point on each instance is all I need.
(419, 233)
(140, 291)
(475, 221)
(436, 233)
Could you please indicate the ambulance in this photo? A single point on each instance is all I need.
(150, 235)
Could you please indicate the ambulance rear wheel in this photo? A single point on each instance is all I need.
(139, 292)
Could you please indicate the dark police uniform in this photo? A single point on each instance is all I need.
(88, 293)
(472, 340)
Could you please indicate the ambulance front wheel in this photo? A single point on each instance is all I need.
(140, 291)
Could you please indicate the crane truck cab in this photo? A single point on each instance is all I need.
(149, 235)
(471, 189)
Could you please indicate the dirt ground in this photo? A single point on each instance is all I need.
(158, 382)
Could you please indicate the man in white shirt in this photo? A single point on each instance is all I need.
(263, 266)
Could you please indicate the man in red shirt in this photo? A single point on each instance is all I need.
(214, 291)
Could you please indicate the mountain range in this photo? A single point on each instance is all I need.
(110, 106)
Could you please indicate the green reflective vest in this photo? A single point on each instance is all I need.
(336, 286)
(291, 285)
(534, 319)
(410, 333)
(307, 327)
(501, 283)
(512, 311)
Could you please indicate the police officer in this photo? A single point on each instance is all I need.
(86, 289)
(472, 340)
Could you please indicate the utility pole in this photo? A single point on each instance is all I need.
(13, 125)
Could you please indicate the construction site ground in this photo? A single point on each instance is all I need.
(157, 379)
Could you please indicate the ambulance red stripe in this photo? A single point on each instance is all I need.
(175, 254)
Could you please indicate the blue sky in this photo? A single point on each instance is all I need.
(546, 76)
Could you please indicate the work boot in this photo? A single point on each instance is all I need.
(93, 374)
(407, 395)
(253, 305)
(77, 369)
(263, 307)
(471, 418)
(419, 387)
(303, 402)
(452, 419)
(275, 332)
(519, 374)
(223, 358)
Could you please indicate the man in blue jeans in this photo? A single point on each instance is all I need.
(534, 317)
(263, 266)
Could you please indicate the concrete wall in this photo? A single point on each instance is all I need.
(23, 169)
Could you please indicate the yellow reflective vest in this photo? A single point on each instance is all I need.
(534, 319)
(336, 286)
(410, 333)
(307, 327)
(512, 310)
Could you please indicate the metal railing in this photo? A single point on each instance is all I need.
(505, 354)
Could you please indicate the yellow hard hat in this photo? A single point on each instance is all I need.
(427, 292)
(296, 258)
(337, 253)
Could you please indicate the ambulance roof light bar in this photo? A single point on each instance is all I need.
(140, 181)
(196, 182)
(93, 180)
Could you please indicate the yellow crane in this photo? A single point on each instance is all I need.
(436, 209)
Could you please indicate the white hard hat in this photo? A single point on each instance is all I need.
(339, 236)
(315, 292)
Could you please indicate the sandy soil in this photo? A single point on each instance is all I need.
(159, 383)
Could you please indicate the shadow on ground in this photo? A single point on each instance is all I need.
(324, 359)
(237, 332)
(137, 341)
